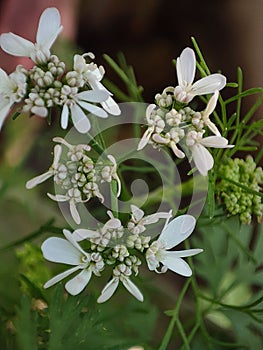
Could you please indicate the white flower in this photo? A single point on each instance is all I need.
(121, 273)
(75, 102)
(186, 90)
(201, 156)
(55, 170)
(73, 196)
(68, 251)
(92, 74)
(138, 221)
(174, 233)
(12, 90)
(48, 29)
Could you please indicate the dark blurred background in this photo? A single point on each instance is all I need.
(153, 32)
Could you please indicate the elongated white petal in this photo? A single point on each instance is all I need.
(176, 150)
(69, 236)
(185, 66)
(81, 234)
(211, 105)
(153, 218)
(209, 84)
(64, 117)
(132, 288)
(59, 250)
(93, 95)
(177, 265)
(145, 138)
(113, 223)
(58, 197)
(149, 111)
(74, 212)
(16, 45)
(39, 179)
(108, 290)
(48, 28)
(111, 106)
(177, 230)
(57, 155)
(183, 253)
(98, 111)
(80, 120)
(202, 158)
(79, 282)
(215, 141)
(60, 276)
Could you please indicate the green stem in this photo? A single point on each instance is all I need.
(175, 321)
(114, 198)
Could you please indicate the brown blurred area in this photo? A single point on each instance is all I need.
(151, 33)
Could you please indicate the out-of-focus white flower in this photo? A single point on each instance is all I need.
(12, 90)
(173, 233)
(201, 156)
(92, 74)
(48, 29)
(186, 90)
(121, 273)
(68, 251)
(74, 104)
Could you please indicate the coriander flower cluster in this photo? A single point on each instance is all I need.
(174, 124)
(76, 175)
(49, 83)
(238, 201)
(122, 249)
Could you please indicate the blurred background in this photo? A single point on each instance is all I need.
(152, 32)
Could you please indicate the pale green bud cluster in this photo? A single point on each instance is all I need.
(236, 199)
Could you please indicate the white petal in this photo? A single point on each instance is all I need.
(79, 282)
(16, 45)
(73, 241)
(149, 111)
(98, 111)
(137, 213)
(202, 158)
(48, 27)
(215, 141)
(113, 223)
(60, 277)
(177, 230)
(108, 290)
(58, 197)
(185, 66)
(209, 84)
(177, 265)
(211, 105)
(59, 250)
(39, 179)
(183, 253)
(4, 82)
(74, 212)
(64, 117)
(176, 150)
(80, 120)
(57, 155)
(93, 95)
(132, 288)
(153, 218)
(5, 106)
(81, 234)
(145, 138)
(111, 106)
